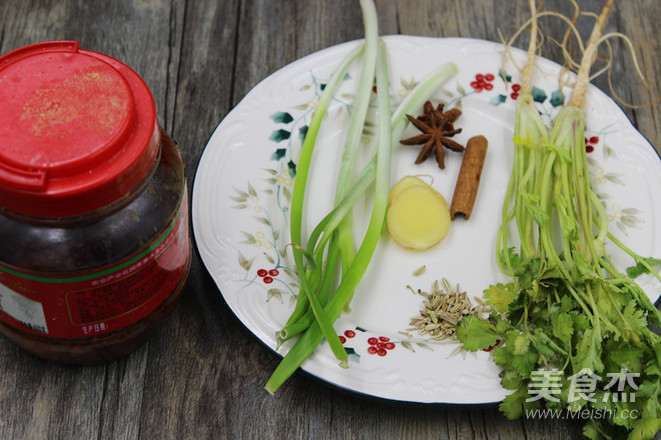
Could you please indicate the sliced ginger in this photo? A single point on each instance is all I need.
(405, 183)
(418, 217)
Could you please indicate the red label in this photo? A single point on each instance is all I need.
(101, 301)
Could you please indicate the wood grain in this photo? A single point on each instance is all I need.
(202, 376)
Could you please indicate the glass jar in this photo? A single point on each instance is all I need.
(93, 206)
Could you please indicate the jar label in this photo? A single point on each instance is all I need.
(101, 301)
(28, 312)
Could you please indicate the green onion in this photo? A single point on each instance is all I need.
(412, 103)
(321, 302)
(360, 106)
(311, 338)
(298, 192)
(350, 279)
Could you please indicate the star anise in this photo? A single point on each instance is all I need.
(437, 127)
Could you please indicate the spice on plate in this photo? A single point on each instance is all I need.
(420, 270)
(443, 309)
(468, 180)
(437, 126)
(93, 206)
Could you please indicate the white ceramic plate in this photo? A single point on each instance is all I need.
(243, 185)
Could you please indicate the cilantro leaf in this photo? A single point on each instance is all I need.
(475, 333)
(521, 344)
(592, 431)
(546, 346)
(635, 317)
(639, 268)
(563, 327)
(622, 354)
(580, 321)
(588, 352)
(567, 303)
(645, 428)
(525, 270)
(499, 296)
(510, 379)
(515, 352)
(514, 405)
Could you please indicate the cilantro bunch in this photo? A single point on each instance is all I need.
(568, 313)
(584, 325)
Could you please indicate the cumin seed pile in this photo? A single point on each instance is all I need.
(443, 309)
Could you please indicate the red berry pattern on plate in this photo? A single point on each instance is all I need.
(348, 334)
(516, 89)
(268, 276)
(483, 82)
(380, 346)
(590, 143)
(377, 345)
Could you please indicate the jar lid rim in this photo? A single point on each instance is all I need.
(80, 130)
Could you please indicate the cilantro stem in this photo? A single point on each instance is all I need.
(637, 258)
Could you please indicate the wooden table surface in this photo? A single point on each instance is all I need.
(202, 376)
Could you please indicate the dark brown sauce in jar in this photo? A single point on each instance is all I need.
(93, 207)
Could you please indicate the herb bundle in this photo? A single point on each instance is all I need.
(568, 310)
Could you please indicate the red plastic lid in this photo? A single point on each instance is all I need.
(78, 130)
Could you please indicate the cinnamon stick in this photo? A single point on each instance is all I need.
(468, 181)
